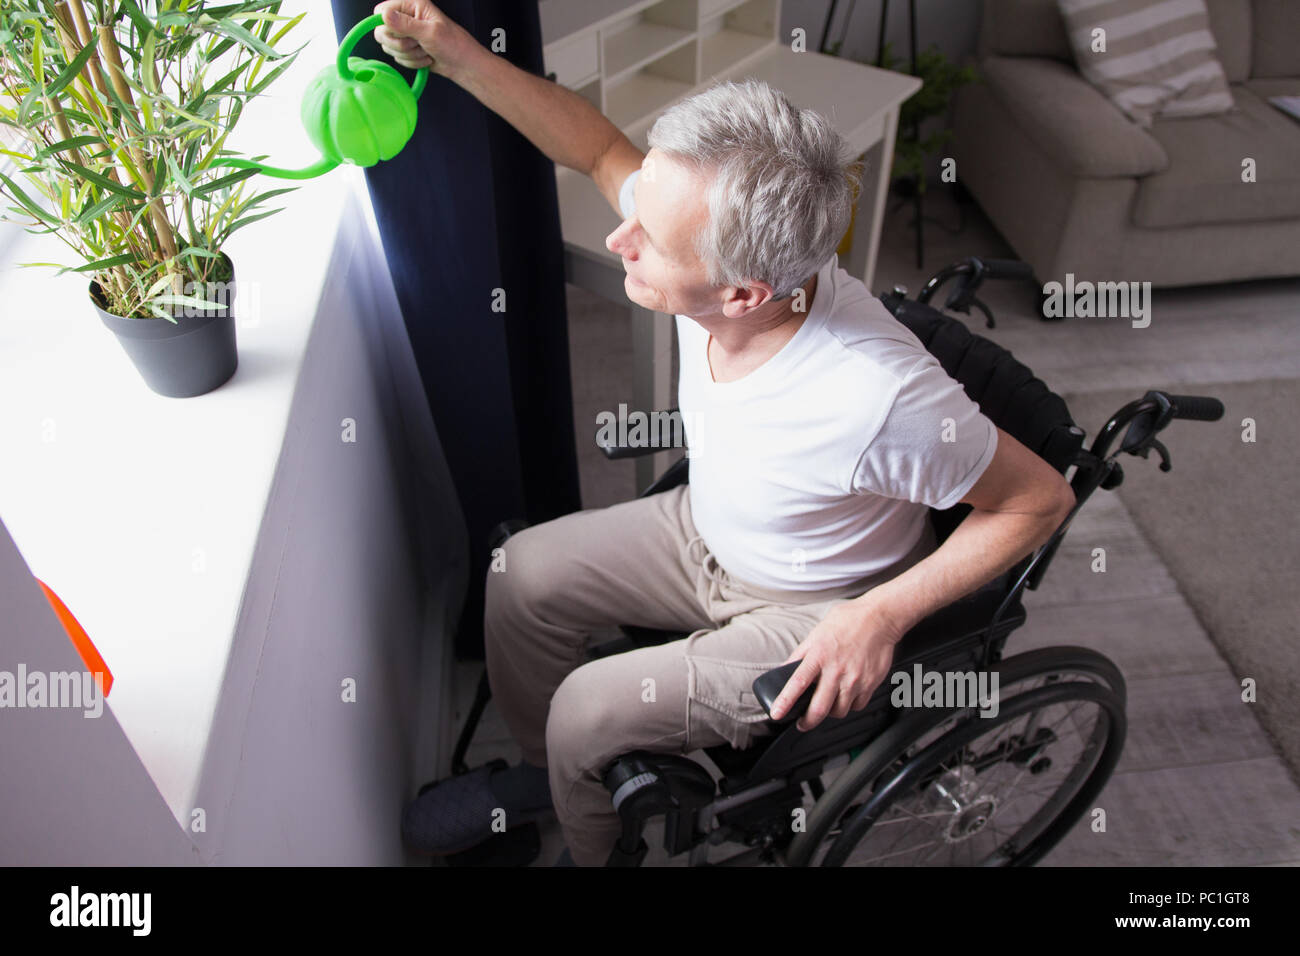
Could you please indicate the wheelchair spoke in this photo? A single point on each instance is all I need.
(892, 853)
(939, 844)
(891, 850)
(919, 817)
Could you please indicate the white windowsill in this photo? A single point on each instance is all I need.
(141, 512)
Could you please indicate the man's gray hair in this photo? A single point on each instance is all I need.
(782, 182)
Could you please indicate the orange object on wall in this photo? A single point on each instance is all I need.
(90, 655)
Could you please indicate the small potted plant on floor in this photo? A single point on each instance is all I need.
(116, 113)
(940, 81)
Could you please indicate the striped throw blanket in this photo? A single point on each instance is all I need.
(1149, 57)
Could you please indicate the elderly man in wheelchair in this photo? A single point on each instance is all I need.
(851, 512)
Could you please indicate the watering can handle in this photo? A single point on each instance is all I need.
(355, 34)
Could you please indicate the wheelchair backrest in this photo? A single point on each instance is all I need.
(1005, 390)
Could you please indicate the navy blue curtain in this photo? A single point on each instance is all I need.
(467, 213)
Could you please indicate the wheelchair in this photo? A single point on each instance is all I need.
(914, 786)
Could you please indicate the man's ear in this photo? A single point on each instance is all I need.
(743, 299)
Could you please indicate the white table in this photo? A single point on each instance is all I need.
(863, 103)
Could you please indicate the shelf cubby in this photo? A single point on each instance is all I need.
(651, 88)
(632, 59)
(639, 44)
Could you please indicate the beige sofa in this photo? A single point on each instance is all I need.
(1077, 187)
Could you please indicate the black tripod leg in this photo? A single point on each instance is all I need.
(481, 698)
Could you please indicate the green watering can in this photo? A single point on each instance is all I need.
(356, 111)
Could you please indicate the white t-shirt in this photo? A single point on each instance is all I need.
(816, 469)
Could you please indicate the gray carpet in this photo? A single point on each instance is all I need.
(1223, 521)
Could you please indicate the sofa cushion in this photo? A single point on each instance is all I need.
(1289, 86)
(1203, 183)
(1231, 22)
(1024, 28)
(1070, 120)
(1277, 39)
(1158, 58)
(1036, 28)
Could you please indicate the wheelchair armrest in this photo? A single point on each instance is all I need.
(658, 424)
(768, 686)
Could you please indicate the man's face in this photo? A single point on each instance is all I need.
(658, 242)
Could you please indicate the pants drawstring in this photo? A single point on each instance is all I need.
(708, 564)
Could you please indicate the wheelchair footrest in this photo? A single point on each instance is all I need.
(643, 785)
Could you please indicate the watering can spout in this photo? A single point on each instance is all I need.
(318, 168)
(356, 111)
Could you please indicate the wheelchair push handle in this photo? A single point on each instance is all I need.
(1199, 408)
(1007, 269)
(970, 273)
(1145, 417)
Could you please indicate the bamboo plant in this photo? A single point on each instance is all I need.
(118, 114)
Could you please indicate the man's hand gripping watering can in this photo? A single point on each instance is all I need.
(356, 111)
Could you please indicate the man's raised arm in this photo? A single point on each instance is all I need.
(559, 122)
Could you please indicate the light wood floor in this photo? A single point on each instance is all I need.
(1199, 782)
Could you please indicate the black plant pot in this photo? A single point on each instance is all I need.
(181, 359)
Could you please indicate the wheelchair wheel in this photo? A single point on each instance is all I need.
(953, 788)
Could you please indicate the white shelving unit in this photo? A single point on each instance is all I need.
(630, 60)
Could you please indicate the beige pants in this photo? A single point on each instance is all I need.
(640, 562)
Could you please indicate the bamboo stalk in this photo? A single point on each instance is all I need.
(67, 34)
(65, 133)
(158, 213)
(71, 43)
(85, 37)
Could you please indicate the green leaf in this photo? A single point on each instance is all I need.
(235, 32)
(265, 81)
(224, 182)
(197, 251)
(38, 57)
(249, 219)
(104, 182)
(142, 23)
(222, 46)
(158, 286)
(125, 112)
(93, 213)
(29, 102)
(196, 120)
(187, 187)
(73, 68)
(215, 88)
(188, 300)
(27, 203)
(286, 28)
(100, 265)
(76, 142)
(269, 194)
(150, 74)
(240, 9)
